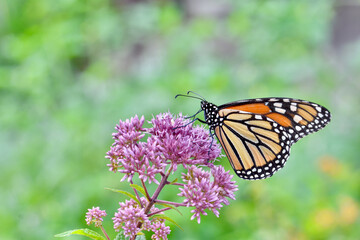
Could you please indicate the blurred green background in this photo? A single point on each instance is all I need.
(69, 70)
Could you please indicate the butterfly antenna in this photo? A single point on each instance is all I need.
(202, 98)
(183, 95)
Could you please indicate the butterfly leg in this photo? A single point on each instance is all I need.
(196, 119)
(212, 141)
(194, 114)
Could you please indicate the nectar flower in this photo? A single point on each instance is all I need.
(128, 216)
(153, 153)
(203, 193)
(226, 187)
(181, 143)
(160, 231)
(171, 139)
(95, 215)
(129, 155)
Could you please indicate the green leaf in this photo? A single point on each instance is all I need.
(139, 188)
(162, 216)
(85, 232)
(120, 236)
(174, 181)
(125, 193)
(140, 237)
(170, 206)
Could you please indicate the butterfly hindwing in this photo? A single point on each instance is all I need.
(255, 145)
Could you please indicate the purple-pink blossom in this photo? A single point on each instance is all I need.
(151, 155)
(226, 187)
(130, 156)
(201, 192)
(94, 215)
(181, 143)
(128, 216)
(170, 140)
(160, 231)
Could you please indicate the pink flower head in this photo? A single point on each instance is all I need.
(128, 216)
(172, 140)
(203, 193)
(226, 187)
(129, 155)
(181, 143)
(95, 215)
(160, 231)
(128, 133)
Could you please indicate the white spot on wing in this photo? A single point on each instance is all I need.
(297, 118)
(293, 108)
(280, 110)
(278, 104)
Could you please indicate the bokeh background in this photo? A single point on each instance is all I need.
(69, 70)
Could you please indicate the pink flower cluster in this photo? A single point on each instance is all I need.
(130, 214)
(153, 154)
(201, 192)
(171, 140)
(181, 143)
(94, 215)
(129, 155)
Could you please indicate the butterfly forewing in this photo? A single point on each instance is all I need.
(256, 134)
(297, 117)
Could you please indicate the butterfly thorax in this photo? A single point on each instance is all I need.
(211, 113)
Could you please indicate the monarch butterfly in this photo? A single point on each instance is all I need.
(256, 134)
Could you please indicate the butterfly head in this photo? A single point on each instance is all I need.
(211, 111)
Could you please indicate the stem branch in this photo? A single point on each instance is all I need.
(103, 230)
(172, 203)
(156, 194)
(146, 191)
(178, 184)
(137, 194)
(158, 190)
(159, 211)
